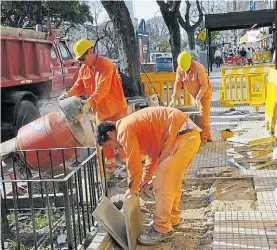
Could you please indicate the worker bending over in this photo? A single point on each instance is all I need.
(170, 141)
(193, 75)
(98, 79)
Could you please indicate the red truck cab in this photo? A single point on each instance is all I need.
(34, 66)
(63, 66)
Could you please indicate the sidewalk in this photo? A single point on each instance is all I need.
(235, 229)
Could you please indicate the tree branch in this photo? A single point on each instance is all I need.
(162, 4)
(105, 34)
(176, 6)
(67, 30)
(188, 5)
(182, 22)
(200, 18)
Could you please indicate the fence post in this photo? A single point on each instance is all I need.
(67, 209)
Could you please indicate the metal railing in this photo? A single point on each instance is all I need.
(52, 209)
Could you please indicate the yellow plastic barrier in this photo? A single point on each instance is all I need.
(243, 89)
(271, 102)
(247, 69)
(164, 85)
(263, 56)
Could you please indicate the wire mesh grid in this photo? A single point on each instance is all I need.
(51, 210)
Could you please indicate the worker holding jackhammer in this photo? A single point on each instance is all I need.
(98, 79)
(194, 76)
(170, 141)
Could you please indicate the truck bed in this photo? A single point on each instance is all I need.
(25, 57)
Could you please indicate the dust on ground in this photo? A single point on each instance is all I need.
(217, 189)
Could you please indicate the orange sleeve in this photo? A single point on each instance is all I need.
(102, 84)
(77, 89)
(129, 141)
(150, 166)
(178, 84)
(203, 81)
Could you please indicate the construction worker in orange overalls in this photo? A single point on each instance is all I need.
(170, 141)
(194, 76)
(98, 79)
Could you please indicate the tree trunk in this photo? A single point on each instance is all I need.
(170, 18)
(175, 43)
(129, 66)
(191, 39)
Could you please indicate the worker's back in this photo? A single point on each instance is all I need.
(154, 129)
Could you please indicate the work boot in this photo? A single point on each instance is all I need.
(153, 237)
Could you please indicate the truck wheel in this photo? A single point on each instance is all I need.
(27, 112)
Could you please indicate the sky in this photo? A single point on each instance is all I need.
(146, 9)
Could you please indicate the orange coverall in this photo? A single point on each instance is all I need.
(198, 85)
(106, 97)
(153, 132)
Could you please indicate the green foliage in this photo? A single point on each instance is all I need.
(11, 217)
(41, 221)
(23, 14)
(12, 245)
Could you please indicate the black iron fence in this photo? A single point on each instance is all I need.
(48, 197)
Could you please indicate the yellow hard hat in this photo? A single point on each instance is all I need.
(81, 47)
(184, 61)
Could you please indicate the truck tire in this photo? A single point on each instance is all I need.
(26, 113)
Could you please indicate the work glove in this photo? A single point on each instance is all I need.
(172, 103)
(198, 105)
(145, 186)
(86, 106)
(63, 96)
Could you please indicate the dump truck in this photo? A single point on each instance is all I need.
(34, 66)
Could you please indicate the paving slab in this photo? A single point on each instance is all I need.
(113, 221)
(133, 220)
(239, 230)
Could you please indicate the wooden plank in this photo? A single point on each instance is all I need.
(251, 160)
(247, 139)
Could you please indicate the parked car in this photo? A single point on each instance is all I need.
(154, 56)
(164, 64)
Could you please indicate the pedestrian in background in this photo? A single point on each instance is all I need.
(249, 56)
(217, 56)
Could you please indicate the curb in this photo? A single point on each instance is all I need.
(102, 241)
